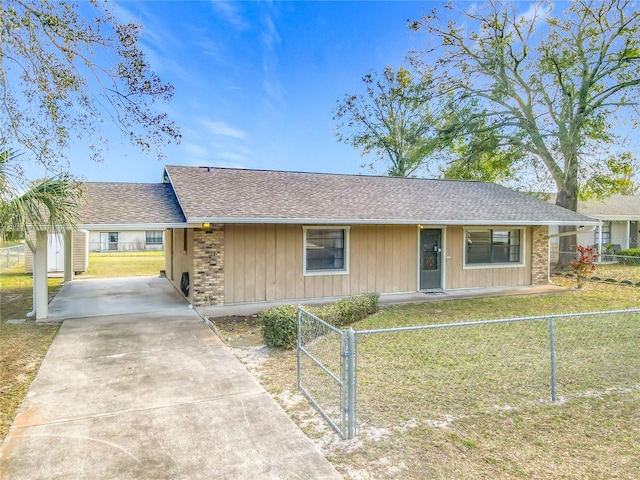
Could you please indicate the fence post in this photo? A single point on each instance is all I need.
(552, 346)
(298, 344)
(351, 384)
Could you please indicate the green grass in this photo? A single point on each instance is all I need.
(474, 402)
(23, 346)
(125, 264)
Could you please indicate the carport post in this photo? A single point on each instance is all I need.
(40, 276)
(68, 256)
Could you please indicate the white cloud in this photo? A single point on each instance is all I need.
(271, 82)
(195, 150)
(230, 12)
(224, 130)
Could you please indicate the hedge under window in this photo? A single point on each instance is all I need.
(325, 250)
(493, 246)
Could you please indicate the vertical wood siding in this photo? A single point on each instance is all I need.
(458, 277)
(264, 263)
(181, 259)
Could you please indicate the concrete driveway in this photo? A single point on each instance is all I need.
(151, 395)
(114, 296)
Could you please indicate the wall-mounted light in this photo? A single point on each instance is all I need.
(206, 226)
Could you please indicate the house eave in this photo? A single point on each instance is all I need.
(617, 218)
(129, 226)
(369, 221)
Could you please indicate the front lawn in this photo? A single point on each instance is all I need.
(125, 264)
(23, 345)
(490, 430)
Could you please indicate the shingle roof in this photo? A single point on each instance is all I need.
(226, 195)
(625, 207)
(106, 203)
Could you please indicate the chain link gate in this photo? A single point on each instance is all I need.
(326, 371)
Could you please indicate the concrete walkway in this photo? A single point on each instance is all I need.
(386, 299)
(150, 396)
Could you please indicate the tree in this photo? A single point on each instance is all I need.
(50, 204)
(392, 121)
(613, 176)
(550, 86)
(480, 157)
(68, 67)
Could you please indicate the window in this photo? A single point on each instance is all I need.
(493, 246)
(606, 233)
(325, 250)
(108, 241)
(153, 238)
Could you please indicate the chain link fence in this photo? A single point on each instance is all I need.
(432, 374)
(323, 368)
(10, 256)
(606, 257)
(135, 246)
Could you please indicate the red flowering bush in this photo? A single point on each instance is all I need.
(584, 264)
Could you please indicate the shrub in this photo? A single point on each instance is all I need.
(279, 326)
(624, 255)
(351, 309)
(584, 264)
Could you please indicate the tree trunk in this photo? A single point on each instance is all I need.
(568, 198)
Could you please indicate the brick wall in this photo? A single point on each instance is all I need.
(207, 285)
(539, 256)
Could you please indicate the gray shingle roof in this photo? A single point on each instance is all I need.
(105, 203)
(625, 207)
(226, 195)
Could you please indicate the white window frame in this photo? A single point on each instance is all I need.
(343, 271)
(476, 266)
(146, 238)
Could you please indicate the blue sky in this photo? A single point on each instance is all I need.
(256, 82)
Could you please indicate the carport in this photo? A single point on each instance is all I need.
(106, 206)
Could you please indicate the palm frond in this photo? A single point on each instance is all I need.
(51, 204)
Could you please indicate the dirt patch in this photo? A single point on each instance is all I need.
(239, 331)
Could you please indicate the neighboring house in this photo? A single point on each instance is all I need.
(126, 241)
(620, 216)
(254, 236)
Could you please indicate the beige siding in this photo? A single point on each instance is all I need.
(264, 263)
(168, 261)
(80, 245)
(180, 257)
(459, 277)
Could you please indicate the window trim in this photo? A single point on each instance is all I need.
(478, 266)
(347, 236)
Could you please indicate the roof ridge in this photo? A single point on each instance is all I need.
(123, 183)
(355, 175)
